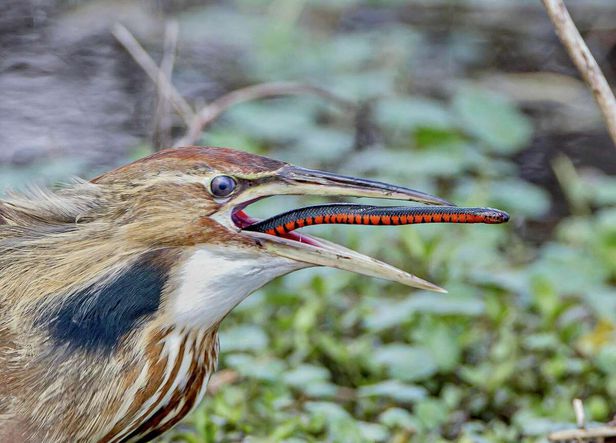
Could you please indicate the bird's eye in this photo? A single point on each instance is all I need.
(222, 186)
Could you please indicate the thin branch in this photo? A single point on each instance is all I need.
(584, 61)
(212, 111)
(580, 416)
(162, 121)
(196, 123)
(171, 41)
(144, 60)
(602, 433)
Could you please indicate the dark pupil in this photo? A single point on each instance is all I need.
(222, 185)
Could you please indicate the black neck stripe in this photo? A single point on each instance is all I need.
(97, 317)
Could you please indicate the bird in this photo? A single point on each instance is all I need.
(112, 290)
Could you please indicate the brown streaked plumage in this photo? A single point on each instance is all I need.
(111, 291)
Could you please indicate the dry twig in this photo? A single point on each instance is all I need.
(144, 60)
(584, 61)
(196, 122)
(212, 111)
(603, 434)
(162, 121)
(580, 415)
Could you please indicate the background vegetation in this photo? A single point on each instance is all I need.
(472, 101)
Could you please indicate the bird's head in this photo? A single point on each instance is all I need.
(195, 198)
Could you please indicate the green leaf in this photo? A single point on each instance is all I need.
(409, 113)
(323, 144)
(531, 424)
(405, 362)
(304, 375)
(338, 422)
(394, 390)
(398, 418)
(492, 119)
(400, 165)
(364, 85)
(373, 431)
(444, 345)
(520, 198)
(603, 301)
(389, 314)
(222, 135)
(266, 369)
(426, 137)
(431, 413)
(331, 411)
(243, 338)
(275, 119)
(599, 188)
(606, 360)
(561, 267)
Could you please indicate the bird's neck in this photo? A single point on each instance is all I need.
(212, 280)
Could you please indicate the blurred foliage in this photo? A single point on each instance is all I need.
(328, 356)
(324, 355)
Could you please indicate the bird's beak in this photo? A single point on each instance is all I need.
(291, 180)
(283, 241)
(294, 180)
